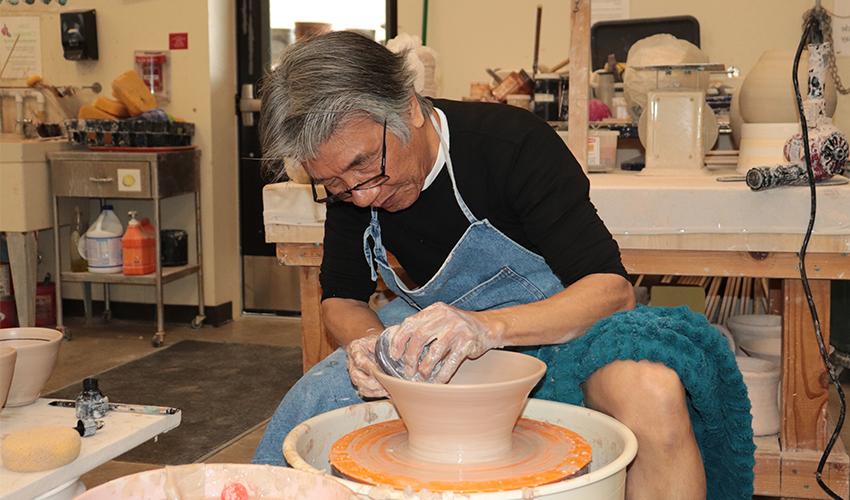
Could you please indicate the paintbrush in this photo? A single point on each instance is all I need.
(122, 408)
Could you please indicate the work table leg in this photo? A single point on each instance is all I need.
(315, 343)
(23, 261)
(804, 378)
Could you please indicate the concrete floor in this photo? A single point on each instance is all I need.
(99, 347)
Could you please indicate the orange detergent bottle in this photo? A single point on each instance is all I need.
(139, 247)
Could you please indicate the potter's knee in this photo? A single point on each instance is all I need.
(660, 396)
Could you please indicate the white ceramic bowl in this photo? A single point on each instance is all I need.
(37, 349)
(766, 349)
(7, 369)
(217, 480)
(486, 396)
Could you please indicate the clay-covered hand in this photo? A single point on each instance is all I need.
(361, 364)
(451, 336)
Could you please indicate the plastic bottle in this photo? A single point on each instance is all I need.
(78, 263)
(101, 245)
(138, 247)
(91, 403)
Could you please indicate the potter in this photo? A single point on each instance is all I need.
(489, 215)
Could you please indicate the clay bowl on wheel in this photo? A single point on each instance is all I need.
(37, 349)
(470, 419)
(222, 481)
(8, 355)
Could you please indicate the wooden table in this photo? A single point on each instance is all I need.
(785, 464)
(121, 432)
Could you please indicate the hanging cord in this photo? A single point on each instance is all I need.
(807, 31)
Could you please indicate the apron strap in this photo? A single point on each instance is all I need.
(465, 209)
(373, 230)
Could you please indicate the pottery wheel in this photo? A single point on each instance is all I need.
(542, 453)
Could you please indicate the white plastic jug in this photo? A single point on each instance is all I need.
(101, 245)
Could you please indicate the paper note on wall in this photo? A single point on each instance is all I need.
(608, 10)
(841, 28)
(20, 37)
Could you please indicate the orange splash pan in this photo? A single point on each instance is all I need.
(542, 453)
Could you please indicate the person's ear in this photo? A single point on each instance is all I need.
(417, 117)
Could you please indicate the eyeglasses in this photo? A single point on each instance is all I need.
(369, 183)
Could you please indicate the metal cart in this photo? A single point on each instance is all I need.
(127, 175)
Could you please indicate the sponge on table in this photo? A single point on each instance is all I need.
(40, 448)
(89, 112)
(112, 107)
(130, 89)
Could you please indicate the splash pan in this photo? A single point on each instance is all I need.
(541, 453)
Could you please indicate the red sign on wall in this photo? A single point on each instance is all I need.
(178, 41)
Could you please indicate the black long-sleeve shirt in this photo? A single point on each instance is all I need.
(510, 168)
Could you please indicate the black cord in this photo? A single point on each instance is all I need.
(806, 288)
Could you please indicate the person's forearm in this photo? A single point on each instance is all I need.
(564, 316)
(347, 320)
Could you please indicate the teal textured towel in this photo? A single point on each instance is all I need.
(687, 343)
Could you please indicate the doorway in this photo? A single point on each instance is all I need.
(264, 28)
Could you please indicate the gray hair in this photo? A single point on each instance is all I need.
(325, 81)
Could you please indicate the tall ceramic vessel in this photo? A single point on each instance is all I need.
(767, 94)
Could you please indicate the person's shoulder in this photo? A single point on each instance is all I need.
(498, 122)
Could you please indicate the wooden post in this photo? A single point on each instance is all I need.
(315, 343)
(804, 378)
(579, 75)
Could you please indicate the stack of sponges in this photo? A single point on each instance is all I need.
(132, 99)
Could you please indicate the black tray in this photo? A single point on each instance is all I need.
(617, 37)
(129, 133)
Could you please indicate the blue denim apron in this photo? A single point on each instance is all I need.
(484, 270)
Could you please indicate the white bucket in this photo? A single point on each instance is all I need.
(762, 380)
(614, 446)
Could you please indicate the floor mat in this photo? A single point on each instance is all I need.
(224, 390)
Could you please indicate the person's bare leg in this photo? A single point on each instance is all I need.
(649, 399)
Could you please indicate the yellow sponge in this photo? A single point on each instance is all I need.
(130, 89)
(34, 80)
(111, 106)
(87, 111)
(40, 448)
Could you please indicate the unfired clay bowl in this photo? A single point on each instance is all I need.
(470, 419)
(37, 349)
(221, 481)
(7, 369)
